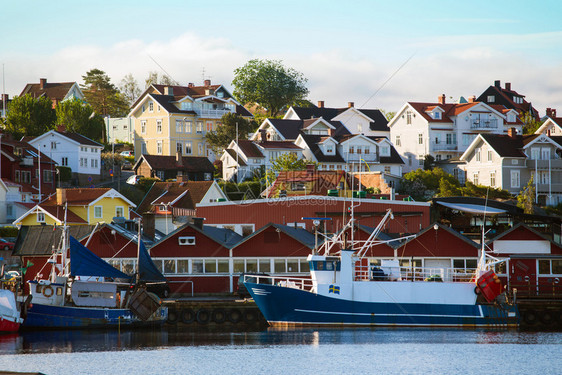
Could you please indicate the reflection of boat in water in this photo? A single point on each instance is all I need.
(93, 293)
(344, 289)
(10, 318)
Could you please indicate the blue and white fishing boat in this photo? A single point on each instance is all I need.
(93, 294)
(345, 290)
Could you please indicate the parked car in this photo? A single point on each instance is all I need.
(251, 277)
(127, 154)
(127, 165)
(6, 245)
(134, 179)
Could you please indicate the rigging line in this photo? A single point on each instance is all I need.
(164, 70)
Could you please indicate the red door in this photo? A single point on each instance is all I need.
(523, 276)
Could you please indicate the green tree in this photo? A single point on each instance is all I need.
(530, 123)
(388, 114)
(449, 188)
(286, 162)
(424, 184)
(130, 89)
(155, 78)
(269, 84)
(30, 116)
(226, 132)
(102, 95)
(526, 197)
(428, 162)
(76, 117)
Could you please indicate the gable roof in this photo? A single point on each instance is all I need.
(40, 239)
(168, 162)
(236, 156)
(278, 145)
(249, 149)
(378, 123)
(299, 234)
(77, 196)
(445, 228)
(449, 109)
(509, 146)
(507, 94)
(312, 142)
(181, 194)
(290, 129)
(80, 139)
(381, 236)
(55, 90)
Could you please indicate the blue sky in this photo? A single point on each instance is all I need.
(347, 50)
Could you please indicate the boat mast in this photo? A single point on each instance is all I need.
(138, 249)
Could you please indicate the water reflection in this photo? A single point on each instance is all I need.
(95, 341)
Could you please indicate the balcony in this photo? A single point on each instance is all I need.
(543, 164)
(356, 158)
(484, 124)
(544, 188)
(443, 146)
(27, 161)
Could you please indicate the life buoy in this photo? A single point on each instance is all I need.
(187, 316)
(476, 290)
(48, 291)
(530, 317)
(172, 316)
(218, 316)
(203, 316)
(234, 316)
(250, 316)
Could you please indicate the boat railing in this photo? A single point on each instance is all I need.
(285, 281)
(438, 274)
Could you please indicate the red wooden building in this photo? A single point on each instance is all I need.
(409, 217)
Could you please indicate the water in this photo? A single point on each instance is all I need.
(306, 351)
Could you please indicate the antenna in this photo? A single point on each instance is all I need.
(164, 70)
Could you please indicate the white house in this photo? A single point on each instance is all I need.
(80, 154)
(445, 130)
(552, 125)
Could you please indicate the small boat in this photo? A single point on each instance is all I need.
(93, 294)
(10, 316)
(344, 289)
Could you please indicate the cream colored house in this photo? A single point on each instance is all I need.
(171, 119)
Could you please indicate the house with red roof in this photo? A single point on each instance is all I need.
(56, 91)
(165, 167)
(510, 161)
(552, 125)
(445, 130)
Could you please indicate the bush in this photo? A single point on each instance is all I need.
(65, 173)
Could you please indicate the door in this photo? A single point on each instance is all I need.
(523, 276)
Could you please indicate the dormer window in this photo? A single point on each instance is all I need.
(437, 115)
(511, 117)
(329, 149)
(385, 150)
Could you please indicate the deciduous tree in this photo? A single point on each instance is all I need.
(78, 117)
(270, 84)
(30, 116)
(226, 131)
(130, 89)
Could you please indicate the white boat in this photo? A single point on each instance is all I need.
(345, 290)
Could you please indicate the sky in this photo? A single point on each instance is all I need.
(377, 54)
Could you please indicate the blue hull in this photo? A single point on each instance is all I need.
(53, 317)
(283, 306)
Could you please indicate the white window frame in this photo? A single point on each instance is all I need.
(159, 126)
(188, 148)
(515, 178)
(188, 126)
(159, 147)
(179, 126)
(143, 127)
(119, 208)
(40, 217)
(96, 208)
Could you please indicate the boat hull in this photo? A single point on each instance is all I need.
(283, 306)
(68, 317)
(9, 324)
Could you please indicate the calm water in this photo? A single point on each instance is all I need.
(309, 351)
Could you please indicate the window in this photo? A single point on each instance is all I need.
(535, 153)
(47, 176)
(359, 149)
(26, 177)
(351, 149)
(397, 141)
(387, 169)
(515, 179)
(437, 115)
(188, 148)
(53, 145)
(98, 212)
(92, 163)
(359, 128)
(199, 128)
(179, 126)
(188, 126)
(119, 211)
(143, 127)
(40, 217)
(514, 161)
(150, 106)
(449, 139)
(209, 126)
(490, 155)
(367, 150)
(438, 157)
(420, 160)
(158, 126)
(545, 153)
(200, 149)
(410, 160)
(143, 108)
(143, 148)
(159, 147)
(385, 151)
(420, 139)
(186, 240)
(17, 176)
(408, 118)
(179, 147)
(475, 178)
(477, 154)
(160, 175)
(493, 179)
(491, 98)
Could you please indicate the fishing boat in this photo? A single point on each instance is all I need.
(344, 289)
(10, 316)
(87, 292)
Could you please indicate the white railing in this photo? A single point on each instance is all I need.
(443, 146)
(484, 124)
(370, 273)
(286, 281)
(213, 113)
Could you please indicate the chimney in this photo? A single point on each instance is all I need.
(508, 86)
(190, 84)
(332, 132)
(497, 83)
(148, 225)
(441, 99)
(350, 104)
(553, 111)
(320, 104)
(198, 222)
(263, 135)
(548, 112)
(42, 83)
(168, 90)
(61, 128)
(511, 132)
(61, 196)
(472, 99)
(207, 82)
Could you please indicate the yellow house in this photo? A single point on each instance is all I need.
(85, 206)
(172, 119)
